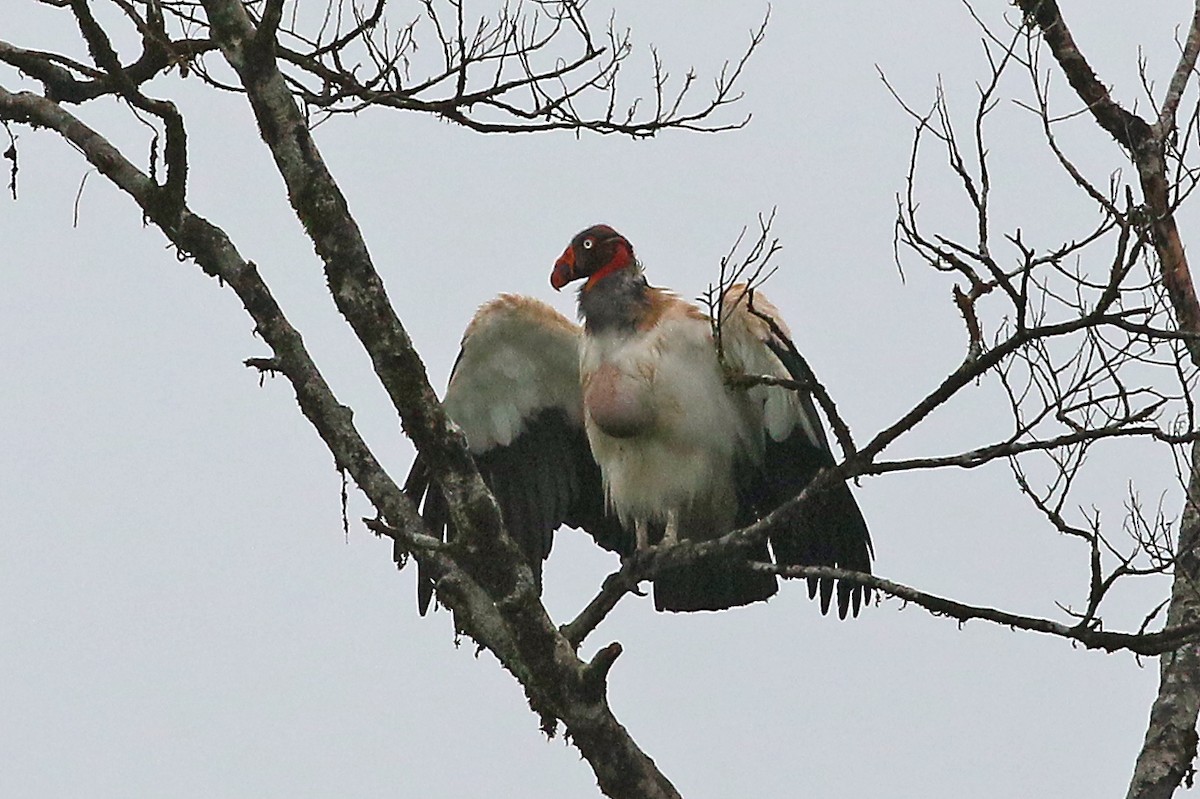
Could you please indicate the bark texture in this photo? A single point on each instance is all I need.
(1170, 746)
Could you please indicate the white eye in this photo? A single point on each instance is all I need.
(587, 244)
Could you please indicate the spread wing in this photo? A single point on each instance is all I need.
(830, 529)
(515, 393)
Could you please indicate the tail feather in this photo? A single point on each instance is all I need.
(714, 585)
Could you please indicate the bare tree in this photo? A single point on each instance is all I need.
(1158, 148)
(1089, 391)
(1092, 340)
(1134, 314)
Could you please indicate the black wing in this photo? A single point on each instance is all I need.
(515, 393)
(829, 529)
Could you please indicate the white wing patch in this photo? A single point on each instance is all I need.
(519, 356)
(745, 337)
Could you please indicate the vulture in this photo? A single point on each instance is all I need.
(627, 428)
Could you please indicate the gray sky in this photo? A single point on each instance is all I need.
(182, 615)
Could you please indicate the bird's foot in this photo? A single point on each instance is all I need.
(641, 535)
(671, 531)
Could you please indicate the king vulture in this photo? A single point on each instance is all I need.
(626, 428)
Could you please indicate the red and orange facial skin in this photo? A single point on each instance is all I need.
(595, 253)
(564, 269)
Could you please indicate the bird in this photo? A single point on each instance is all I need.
(627, 427)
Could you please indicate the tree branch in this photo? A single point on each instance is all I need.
(1168, 639)
(1170, 746)
(512, 624)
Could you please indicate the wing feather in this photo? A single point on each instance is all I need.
(829, 530)
(515, 393)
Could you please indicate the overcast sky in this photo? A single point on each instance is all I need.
(181, 613)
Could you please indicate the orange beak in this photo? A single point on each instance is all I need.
(564, 269)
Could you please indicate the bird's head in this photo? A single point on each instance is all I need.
(595, 253)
